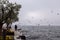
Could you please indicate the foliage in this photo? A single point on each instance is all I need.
(8, 11)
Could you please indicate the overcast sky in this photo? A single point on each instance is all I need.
(35, 12)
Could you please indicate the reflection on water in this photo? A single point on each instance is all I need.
(42, 32)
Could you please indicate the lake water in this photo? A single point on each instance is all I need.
(42, 32)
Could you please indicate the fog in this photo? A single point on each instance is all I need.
(42, 12)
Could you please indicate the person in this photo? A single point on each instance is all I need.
(18, 35)
(4, 34)
(10, 33)
(4, 31)
(15, 32)
(15, 27)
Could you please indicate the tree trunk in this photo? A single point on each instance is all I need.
(1, 28)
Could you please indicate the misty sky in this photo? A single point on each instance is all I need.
(43, 12)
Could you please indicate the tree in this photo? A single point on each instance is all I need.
(8, 12)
